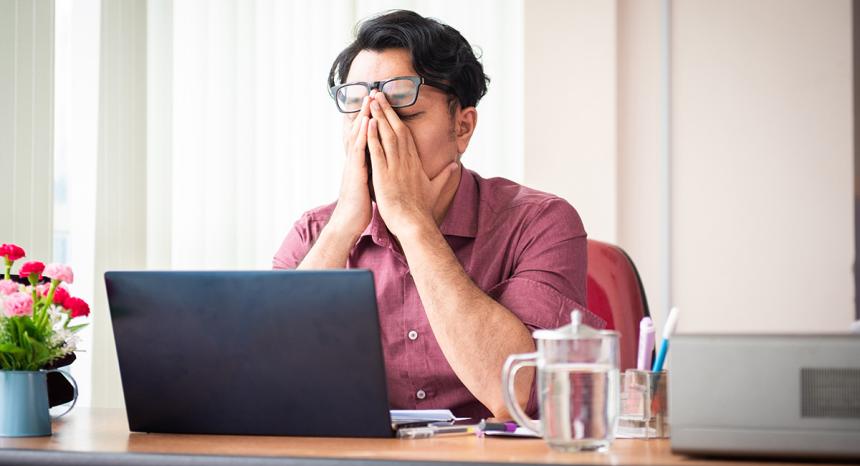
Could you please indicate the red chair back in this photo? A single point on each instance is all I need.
(614, 288)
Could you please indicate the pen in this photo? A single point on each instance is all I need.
(646, 344)
(485, 426)
(668, 330)
(404, 425)
(430, 431)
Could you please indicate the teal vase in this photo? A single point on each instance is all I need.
(24, 403)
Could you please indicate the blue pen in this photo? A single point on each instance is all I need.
(668, 330)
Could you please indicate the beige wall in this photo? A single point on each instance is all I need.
(570, 106)
(763, 165)
(761, 150)
(641, 208)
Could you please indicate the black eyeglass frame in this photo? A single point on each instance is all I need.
(417, 80)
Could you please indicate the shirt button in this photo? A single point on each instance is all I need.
(413, 335)
(420, 394)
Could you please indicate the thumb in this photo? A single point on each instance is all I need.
(439, 181)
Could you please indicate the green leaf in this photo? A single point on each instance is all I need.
(41, 353)
(10, 348)
(7, 362)
(23, 338)
(76, 328)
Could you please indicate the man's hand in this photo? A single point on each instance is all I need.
(353, 211)
(405, 195)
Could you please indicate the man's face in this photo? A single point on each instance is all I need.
(429, 120)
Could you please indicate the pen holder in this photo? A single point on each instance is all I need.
(644, 407)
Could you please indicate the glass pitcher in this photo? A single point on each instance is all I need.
(577, 386)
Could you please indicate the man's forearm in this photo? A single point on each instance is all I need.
(476, 334)
(330, 251)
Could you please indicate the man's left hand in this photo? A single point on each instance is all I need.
(405, 195)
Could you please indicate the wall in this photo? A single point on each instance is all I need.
(570, 107)
(745, 110)
(763, 165)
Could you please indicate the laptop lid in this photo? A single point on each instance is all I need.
(252, 352)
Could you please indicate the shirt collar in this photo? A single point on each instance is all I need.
(461, 219)
(376, 229)
(462, 216)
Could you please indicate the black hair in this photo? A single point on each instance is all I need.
(439, 52)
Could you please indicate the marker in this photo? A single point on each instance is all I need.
(430, 431)
(485, 426)
(646, 344)
(668, 330)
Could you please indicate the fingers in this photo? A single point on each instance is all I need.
(393, 118)
(390, 141)
(364, 112)
(355, 160)
(352, 144)
(360, 138)
(377, 155)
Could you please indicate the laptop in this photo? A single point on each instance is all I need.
(250, 353)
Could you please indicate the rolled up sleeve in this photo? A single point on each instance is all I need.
(549, 276)
(296, 244)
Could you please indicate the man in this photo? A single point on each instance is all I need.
(464, 267)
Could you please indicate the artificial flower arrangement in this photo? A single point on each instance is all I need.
(35, 318)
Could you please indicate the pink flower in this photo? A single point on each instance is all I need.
(60, 294)
(18, 304)
(11, 252)
(8, 287)
(60, 272)
(77, 306)
(32, 268)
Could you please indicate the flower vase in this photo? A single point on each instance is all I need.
(24, 403)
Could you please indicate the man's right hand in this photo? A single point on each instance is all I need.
(353, 211)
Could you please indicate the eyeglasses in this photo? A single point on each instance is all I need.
(401, 91)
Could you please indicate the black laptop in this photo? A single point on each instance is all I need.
(250, 353)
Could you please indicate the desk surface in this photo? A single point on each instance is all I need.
(101, 436)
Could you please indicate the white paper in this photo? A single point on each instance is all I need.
(526, 432)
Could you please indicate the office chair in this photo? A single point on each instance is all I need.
(614, 287)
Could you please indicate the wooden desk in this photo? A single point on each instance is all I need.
(101, 437)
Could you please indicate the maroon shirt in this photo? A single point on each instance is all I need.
(526, 249)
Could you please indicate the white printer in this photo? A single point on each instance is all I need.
(765, 395)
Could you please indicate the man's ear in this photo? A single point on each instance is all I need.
(464, 127)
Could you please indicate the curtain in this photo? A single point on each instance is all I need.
(246, 138)
(198, 131)
(26, 125)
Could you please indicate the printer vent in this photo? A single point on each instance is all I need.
(830, 392)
